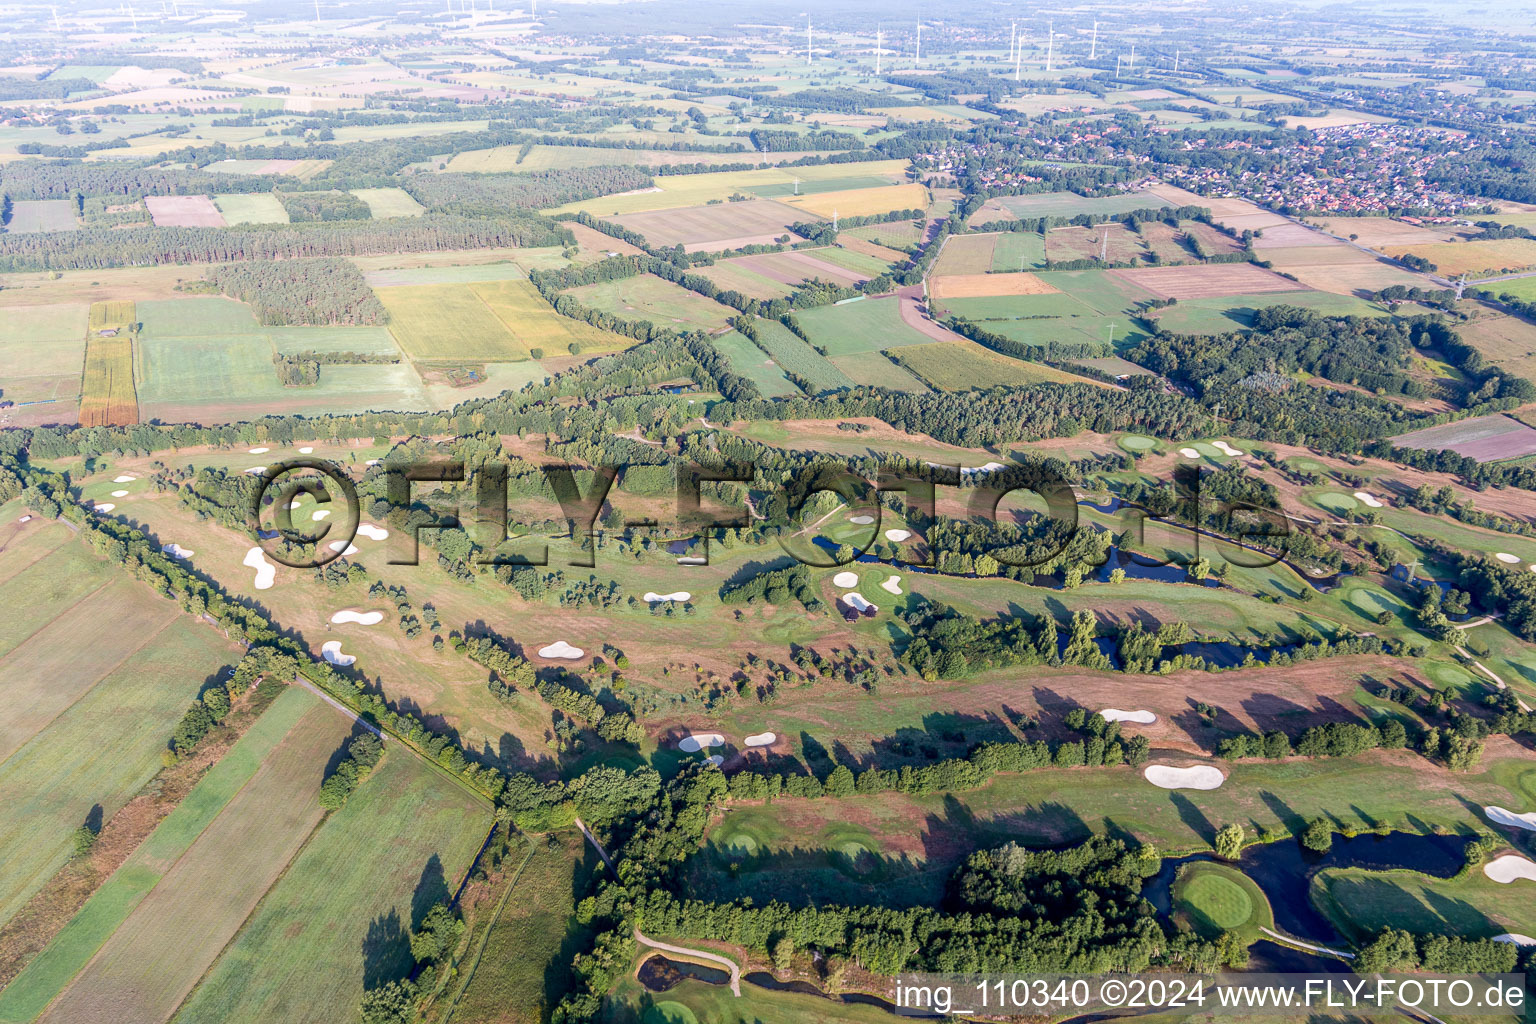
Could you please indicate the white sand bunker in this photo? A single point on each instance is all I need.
(1509, 868)
(861, 520)
(373, 462)
(105, 506)
(897, 536)
(677, 595)
(372, 532)
(331, 652)
(892, 585)
(1505, 556)
(320, 513)
(857, 603)
(693, 560)
(1368, 500)
(1140, 716)
(761, 739)
(257, 470)
(716, 759)
(177, 551)
(306, 450)
(1189, 453)
(265, 570)
(1200, 776)
(1515, 938)
(119, 494)
(699, 741)
(1225, 448)
(989, 467)
(24, 519)
(337, 545)
(846, 579)
(259, 451)
(361, 618)
(124, 478)
(560, 649)
(1502, 816)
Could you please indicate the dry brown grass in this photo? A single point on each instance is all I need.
(107, 395)
(1208, 281)
(970, 286)
(879, 252)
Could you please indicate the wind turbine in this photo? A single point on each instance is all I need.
(1050, 45)
(60, 28)
(1176, 61)
(807, 40)
(1018, 58)
(1117, 67)
(317, 12)
(1093, 48)
(917, 54)
(877, 49)
(1013, 39)
(1131, 63)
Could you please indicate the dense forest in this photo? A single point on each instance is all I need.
(324, 291)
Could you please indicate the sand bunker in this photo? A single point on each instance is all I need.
(1501, 816)
(1200, 776)
(331, 652)
(361, 618)
(265, 570)
(320, 513)
(693, 560)
(24, 519)
(306, 450)
(177, 551)
(372, 532)
(560, 649)
(1509, 868)
(1505, 556)
(119, 494)
(105, 507)
(892, 585)
(1515, 938)
(679, 595)
(861, 520)
(259, 451)
(1368, 500)
(1140, 716)
(373, 462)
(699, 741)
(337, 545)
(124, 478)
(716, 759)
(761, 739)
(897, 536)
(845, 579)
(257, 470)
(1189, 453)
(989, 467)
(1225, 448)
(858, 604)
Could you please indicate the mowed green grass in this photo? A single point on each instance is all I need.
(1235, 312)
(251, 208)
(962, 366)
(753, 363)
(42, 979)
(694, 1001)
(1360, 903)
(517, 978)
(99, 748)
(1018, 250)
(1213, 898)
(1106, 333)
(407, 835)
(389, 202)
(868, 325)
(878, 370)
(647, 297)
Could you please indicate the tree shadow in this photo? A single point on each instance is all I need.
(386, 951)
(1193, 817)
(431, 889)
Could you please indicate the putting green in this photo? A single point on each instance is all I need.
(670, 1012)
(1336, 502)
(856, 856)
(1208, 450)
(1371, 602)
(738, 844)
(1218, 899)
(1137, 442)
(1213, 898)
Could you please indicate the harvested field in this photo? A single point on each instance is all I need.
(1508, 341)
(1386, 233)
(389, 202)
(855, 243)
(594, 241)
(447, 322)
(647, 297)
(673, 191)
(965, 255)
(1207, 281)
(504, 159)
(251, 208)
(184, 212)
(535, 324)
(862, 202)
(1290, 235)
(903, 233)
(1087, 243)
(878, 370)
(1067, 204)
(722, 226)
(404, 840)
(792, 268)
(734, 275)
(107, 394)
(965, 366)
(1476, 259)
(29, 216)
(966, 286)
(1484, 438)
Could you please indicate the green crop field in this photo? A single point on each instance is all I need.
(521, 953)
(1018, 250)
(1008, 307)
(1235, 312)
(251, 208)
(1099, 290)
(798, 358)
(647, 297)
(336, 920)
(389, 202)
(848, 259)
(877, 369)
(868, 325)
(1103, 332)
(97, 745)
(897, 234)
(962, 366)
(370, 340)
(752, 362)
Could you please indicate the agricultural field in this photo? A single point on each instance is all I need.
(673, 191)
(895, 234)
(647, 297)
(107, 393)
(1208, 281)
(534, 323)
(402, 842)
(1063, 204)
(970, 286)
(865, 325)
(795, 267)
(1474, 259)
(384, 203)
(736, 275)
(878, 370)
(965, 255)
(752, 362)
(1113, 243)
(184, 212)
(450, 322)
(797, 359)
(29, 216)
(1018, 251)
(1484, 438)
(251, 208)
(861, 202)
(1507, 341)
(42, 352)
(722, 226)
(963, 366)
(1235, 312)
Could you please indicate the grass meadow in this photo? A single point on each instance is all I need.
(963, 366)
(868, 325)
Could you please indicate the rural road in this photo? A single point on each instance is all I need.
(1490, 674)
(338, 705)
(701, 954)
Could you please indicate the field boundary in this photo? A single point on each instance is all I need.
(485, 938)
